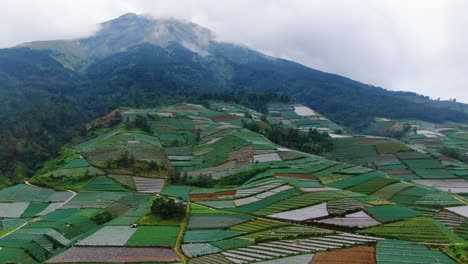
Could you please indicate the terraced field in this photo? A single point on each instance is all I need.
(249, 200)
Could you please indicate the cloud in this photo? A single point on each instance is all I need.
(415, 45)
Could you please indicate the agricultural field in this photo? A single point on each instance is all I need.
(248, 199)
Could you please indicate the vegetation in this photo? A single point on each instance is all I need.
(458, 252)
(128, 162)
(140, 122)
(312, 142)
(207, 181)
(454, 153)
(167, 207)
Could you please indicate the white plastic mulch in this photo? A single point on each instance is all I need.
(260, 196)
(255, 190)
(339, 136)
(452, 185)
(52, 207)
(304, 111)
(461, 210)
(310, 212)
(317, 189)
(294, 259)
(267, 157)
(359, 219)
(148, 185)
(12, 209)
(109, 236)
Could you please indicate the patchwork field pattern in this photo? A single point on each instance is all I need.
(248, 199)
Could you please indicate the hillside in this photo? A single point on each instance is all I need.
(56, 86)
(249, 200)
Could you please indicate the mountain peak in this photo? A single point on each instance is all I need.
(131, 29)
(124, 32)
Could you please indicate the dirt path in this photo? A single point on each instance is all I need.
(14, 229)
(178, 244)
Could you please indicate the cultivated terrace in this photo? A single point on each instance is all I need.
(226, 184)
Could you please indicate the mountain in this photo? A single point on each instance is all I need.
(49, 88)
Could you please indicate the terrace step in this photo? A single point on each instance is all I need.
(253, 250)
(283, 251)
(232, 254)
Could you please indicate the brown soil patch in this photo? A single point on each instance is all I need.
(358, 255)
(224, 118)
(104, 120)
(211, 196)
(116, 255)
(244, 154)
(297, 176)
(445, 158)
(397, 128)
(184, 107)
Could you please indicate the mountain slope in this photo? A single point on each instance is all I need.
(140, 61)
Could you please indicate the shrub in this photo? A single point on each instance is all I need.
(168, 207)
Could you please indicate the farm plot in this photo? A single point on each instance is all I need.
(154, 236)
(211, 194)
(97, 199)
(305, 200)
(286, 232)
(257, 206)
(306, 258)
(266, 158)
(15, 255)
(438, 199)
(206, 221)
(199, 249)
(341, 206)
(453, 186)
(358, 255)
(109, 236)
(311, 212)
(256, 225)
(124, 180)
(359, 219)
(260, 196)
(283, 248)
(419, 229)
(180, 191)
(256, 190)
(34, 209)
(304, 111)
(460, 210)
(196, 236)
(390, 190)
(12, 209)
(373, 185)
(358, 180)
(389, 213)
(410, 195)
(397, 251)
(103, 183)
(24, 193)
(148, 185)
(116, 255)
(391, 147)
(76, 163)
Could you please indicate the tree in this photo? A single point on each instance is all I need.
(168, 207)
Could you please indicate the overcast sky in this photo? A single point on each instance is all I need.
(419, 46)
